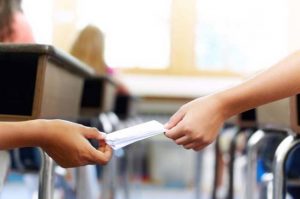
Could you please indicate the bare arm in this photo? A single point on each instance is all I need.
(19, 134)
(278, 82)
(64, 141)
(197, 123)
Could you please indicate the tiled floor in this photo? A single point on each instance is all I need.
(18, 187)
(17, 190)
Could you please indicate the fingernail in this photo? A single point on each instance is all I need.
(165, 133)
(103, 135)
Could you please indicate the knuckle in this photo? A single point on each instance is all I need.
(105, 161)
(186, 130)
(82, 159)
(193, 137)
(171, 136)
(66, 165)
(95, 129)
(177, 142)
(63, 165)
(186, 147)
(189, 133)
(206, 141)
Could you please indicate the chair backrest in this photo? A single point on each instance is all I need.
(295, 113)
(247, 119)
(274, 115)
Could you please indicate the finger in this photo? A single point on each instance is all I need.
(108, 151)
(175, 133)
(177, 117)
(183, 140)
(102, 146)
(190, 145)
(199, 147)
(100, 157)
(105, 149)
(92, 133)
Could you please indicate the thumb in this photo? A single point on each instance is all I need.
(102, 157)
(92, 133)
(177, 117)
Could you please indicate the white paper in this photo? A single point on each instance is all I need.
(124, 137)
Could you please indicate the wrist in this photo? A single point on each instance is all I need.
(224, 105)
(37, 132)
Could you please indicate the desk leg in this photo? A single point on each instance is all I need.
(217, 165)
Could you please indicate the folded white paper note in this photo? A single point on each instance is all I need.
(124, 137)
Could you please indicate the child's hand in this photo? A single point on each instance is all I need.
(196, 124)
(67, 143)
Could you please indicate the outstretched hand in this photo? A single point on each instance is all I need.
(67, 144)
(196, 124)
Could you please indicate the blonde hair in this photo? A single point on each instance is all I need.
(89, 48)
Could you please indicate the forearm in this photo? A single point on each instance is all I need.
(20, 134)
(280, 81)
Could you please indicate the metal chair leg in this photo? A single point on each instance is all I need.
(252, 148)
(217, 173)
(281, 155)
(126, 177)
(4, 167)
(110, 170)
(198, 172)
(109, 179)
(46, 179)
(232, 150)
(216, 170)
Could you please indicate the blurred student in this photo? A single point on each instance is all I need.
(197, 123)
(14, 27)
(89, 48)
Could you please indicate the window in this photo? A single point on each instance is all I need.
(241, 36)
(137, 32)
(39, 15)
(194, 37)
